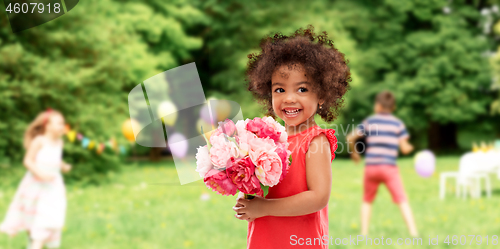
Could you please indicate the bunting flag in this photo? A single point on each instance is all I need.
(90, 144)
(100, 148)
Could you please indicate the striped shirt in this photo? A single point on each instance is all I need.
(383, 132)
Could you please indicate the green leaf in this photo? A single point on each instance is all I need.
(232, 139)
(265, 189)
(206, 140)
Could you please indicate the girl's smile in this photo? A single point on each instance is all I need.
(291, 112)
(293, 98)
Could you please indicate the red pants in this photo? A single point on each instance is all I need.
(387, 174)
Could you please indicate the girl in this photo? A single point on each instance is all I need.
(39, 204)
(296, 77)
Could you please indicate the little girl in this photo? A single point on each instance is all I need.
(296, 77)
(39, 205)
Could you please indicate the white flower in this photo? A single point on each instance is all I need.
(241, 126)
(203, 163)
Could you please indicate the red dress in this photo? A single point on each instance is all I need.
(272, 232)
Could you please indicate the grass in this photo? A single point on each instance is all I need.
(145, 207)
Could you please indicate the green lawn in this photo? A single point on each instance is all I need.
(145, 207)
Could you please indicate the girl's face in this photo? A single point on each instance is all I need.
(293, 98)
(55, 126)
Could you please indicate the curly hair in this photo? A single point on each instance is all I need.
(324, 65)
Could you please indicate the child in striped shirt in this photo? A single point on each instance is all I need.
(385, 134)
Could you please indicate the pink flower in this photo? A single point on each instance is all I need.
(257, 146)
(203, 163)
(241, 126)
(284, 155)
(243, 139)
(242, 173)
(227, 127)
(219, 182)
(269, 168)
(262, 129)
(222, 149)
(277, 127)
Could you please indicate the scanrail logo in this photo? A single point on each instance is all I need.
(171, 106)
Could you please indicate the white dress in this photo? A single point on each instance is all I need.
(39, 205)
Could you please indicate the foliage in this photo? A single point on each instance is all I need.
(433, 60)
(235, 30)
(90, 168)
(84, 64)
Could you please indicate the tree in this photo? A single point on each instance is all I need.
(430, 54)
(84, 64)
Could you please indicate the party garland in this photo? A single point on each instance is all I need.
(91, 144)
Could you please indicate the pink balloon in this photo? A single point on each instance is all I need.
(425, 163)
(205, 114)
(178, 145)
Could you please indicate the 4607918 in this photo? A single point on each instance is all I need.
(477, 239)
(35, 7)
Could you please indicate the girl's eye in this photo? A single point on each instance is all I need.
(279, 90)
(302, 89)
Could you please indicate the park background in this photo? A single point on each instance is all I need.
(439, 57)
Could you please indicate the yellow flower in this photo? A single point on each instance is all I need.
(444, 218)
(188, 243)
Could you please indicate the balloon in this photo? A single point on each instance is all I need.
(178, 145)
(211, 98)
(425, 163)
(205, 114)
(168, 111)
(127, 130)
(85, 142)
(91, 145)
(71, 136)
(79, 136)
(223, 109)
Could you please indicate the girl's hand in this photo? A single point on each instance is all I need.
(65, 167)
(250, 209)
(44, 177)
(241, 195)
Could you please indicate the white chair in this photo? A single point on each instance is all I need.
(473, 168)
(442, 182)
(473, 186)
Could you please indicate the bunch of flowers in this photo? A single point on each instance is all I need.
(249, 156)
